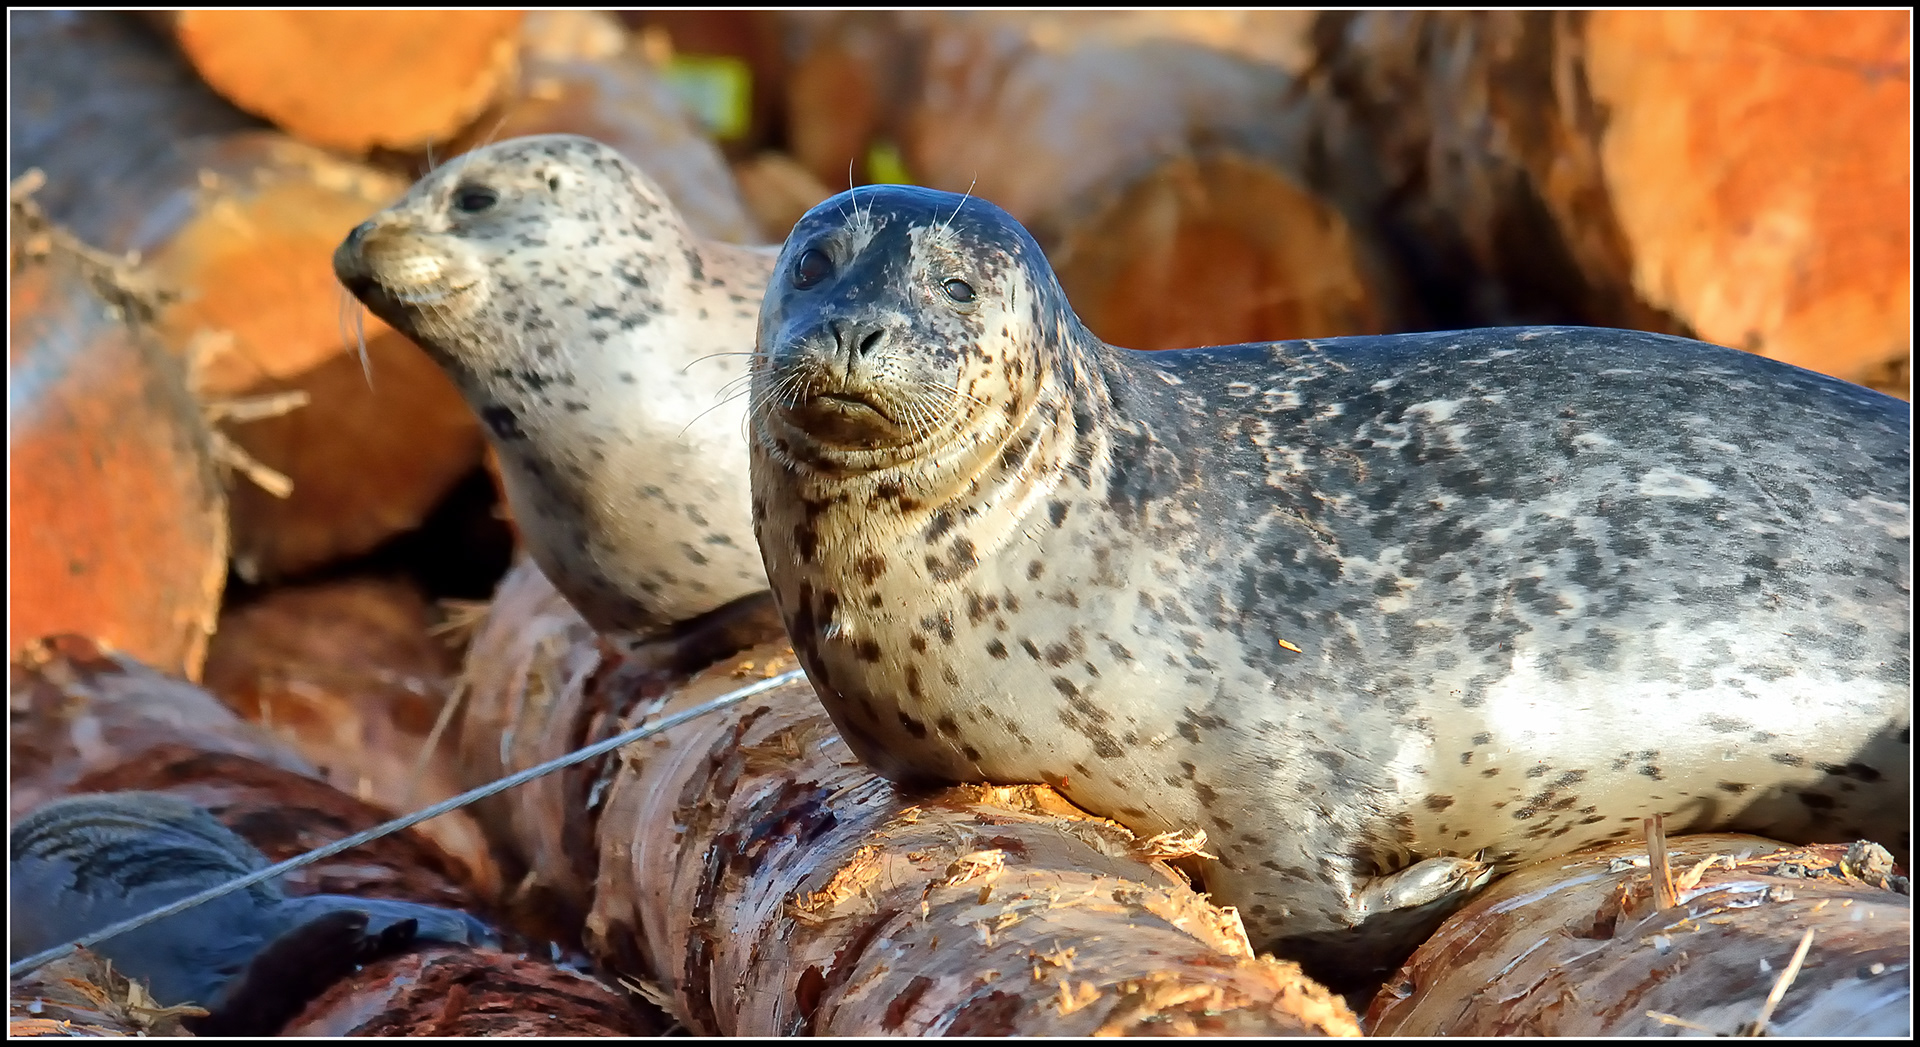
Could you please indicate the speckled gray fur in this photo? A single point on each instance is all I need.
(594, 335)
(84, 862)
(1544, 582)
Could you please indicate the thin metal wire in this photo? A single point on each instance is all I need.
(454, 803)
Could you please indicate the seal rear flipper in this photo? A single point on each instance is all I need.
(291, 970)
(385, 917)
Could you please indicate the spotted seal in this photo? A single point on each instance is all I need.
(251, 958)
(1382, 615)
(594, 335)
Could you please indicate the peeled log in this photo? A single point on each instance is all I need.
(750, 866)
(1738, 176)
(82, 995)
(567, 87)
(350, 675)
(1155, 159)
(355, 80)
(118, 522)
(1579, 946)
(243, 224)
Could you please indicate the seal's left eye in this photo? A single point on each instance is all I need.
(474, 199)
(813, 267)
(959, 290)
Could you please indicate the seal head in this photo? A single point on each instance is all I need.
(1381, 615)
(595, 336)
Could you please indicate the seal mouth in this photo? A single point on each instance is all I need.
(846, 403)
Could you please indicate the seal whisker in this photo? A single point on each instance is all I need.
(724, 401)
(701, 359)
(944, 226)
(352, 320)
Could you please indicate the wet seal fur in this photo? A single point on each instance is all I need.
(594, 335)
(252, 958)
(1369, 611)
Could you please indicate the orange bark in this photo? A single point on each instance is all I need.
(355, 80)
(117, 522)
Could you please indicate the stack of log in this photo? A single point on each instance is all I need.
(226, 474)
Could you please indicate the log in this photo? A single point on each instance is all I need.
(354, 80)
(118, 522)
(82, 995)
(476, 992)
(528, 654)
(1807, 261)
(1584, 946)
(746, 868)
(380, 440)
(351, 675)
(243, 223)
(1155, 163)
(1740, 177)
(571, 84)
(87, 721)
(777, 191)
(99, 104)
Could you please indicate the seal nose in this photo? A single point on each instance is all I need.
(858, 341)
(358, 234)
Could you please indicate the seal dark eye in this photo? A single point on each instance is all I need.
(474, 199)
(553, 183)
(813, 267)
(959, 290)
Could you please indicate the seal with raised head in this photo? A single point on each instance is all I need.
(252, 958)
(1382, 615)
(594, 335)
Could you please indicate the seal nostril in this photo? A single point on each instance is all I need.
(359, 233)
(868, 343)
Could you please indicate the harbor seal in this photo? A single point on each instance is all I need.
(1382, 615)
(594, 335)
(252, 958)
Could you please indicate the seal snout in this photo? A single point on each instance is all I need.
(390, 262)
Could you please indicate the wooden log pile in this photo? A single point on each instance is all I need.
(226, 473)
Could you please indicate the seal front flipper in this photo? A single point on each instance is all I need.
(292, 969)
(1420, 885)
(1394, 914)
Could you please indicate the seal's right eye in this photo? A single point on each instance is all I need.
(813, 267)
(474, 199)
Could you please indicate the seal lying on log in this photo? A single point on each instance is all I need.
(1383, 615)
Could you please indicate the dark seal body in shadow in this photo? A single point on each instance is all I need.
(252, 958)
